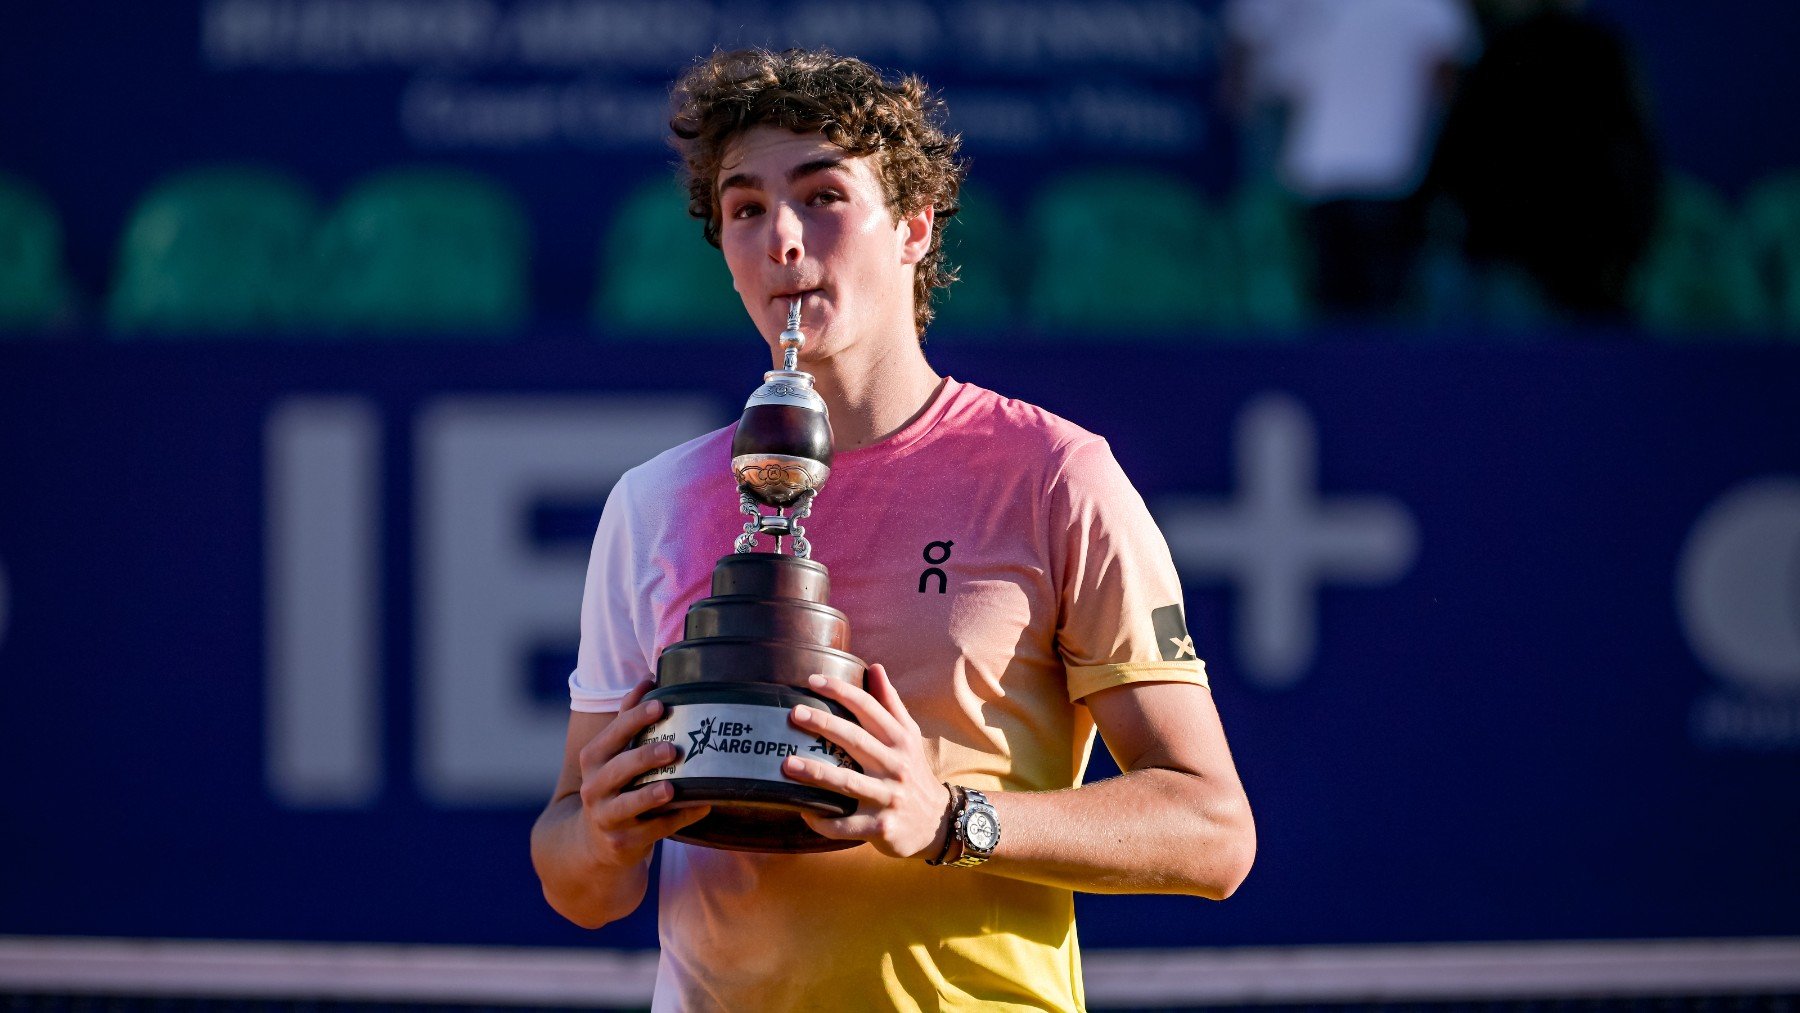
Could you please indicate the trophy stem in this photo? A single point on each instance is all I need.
(778, 525)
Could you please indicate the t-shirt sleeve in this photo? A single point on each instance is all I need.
(1121, 617)
(611, 659)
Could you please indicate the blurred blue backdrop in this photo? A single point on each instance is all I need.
(1543, 684)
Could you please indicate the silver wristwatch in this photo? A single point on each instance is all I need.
(977, 828)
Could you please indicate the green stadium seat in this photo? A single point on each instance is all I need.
(34, 292)
(1772, 230)
(1123, 253)
(658, 276)
(1269, 250)
(1698, 277)
(225, 249)
(425, 251)
(979, 242)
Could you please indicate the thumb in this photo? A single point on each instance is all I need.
(827, 826)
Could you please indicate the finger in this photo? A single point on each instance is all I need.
(632, 721)
(646, 832)
(616, 774)
(618, 733)
(870, 714)
(865, 749)
(842, 780)
(842, 828)
(882, 689)
(682, 818)
(623, 809)
(636, 695)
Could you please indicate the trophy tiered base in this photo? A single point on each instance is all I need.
(728, 688)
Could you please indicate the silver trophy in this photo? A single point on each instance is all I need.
(728, 686)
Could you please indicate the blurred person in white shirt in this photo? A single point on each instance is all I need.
(1360, 84)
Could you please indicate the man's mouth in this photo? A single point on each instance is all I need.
(792, 294)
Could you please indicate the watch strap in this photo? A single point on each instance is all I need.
(950, 841)
(968, 855)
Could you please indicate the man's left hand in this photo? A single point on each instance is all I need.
(904, 810)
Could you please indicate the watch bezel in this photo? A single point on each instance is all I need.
(981, 824)
(974, 854)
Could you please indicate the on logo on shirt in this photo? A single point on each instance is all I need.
(936, 554)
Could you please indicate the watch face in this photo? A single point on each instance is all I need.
(983, 832)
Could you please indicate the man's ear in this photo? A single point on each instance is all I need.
(916, 234)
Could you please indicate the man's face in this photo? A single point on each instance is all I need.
(801, 216)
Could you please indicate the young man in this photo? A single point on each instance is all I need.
(1000, 574)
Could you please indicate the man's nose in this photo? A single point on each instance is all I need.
(786, 241)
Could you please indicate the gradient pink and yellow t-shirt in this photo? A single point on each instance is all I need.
(1055, 583)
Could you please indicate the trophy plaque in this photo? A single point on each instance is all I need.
(746, 651)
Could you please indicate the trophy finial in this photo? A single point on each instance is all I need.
(792, 339)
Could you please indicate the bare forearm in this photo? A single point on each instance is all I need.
(1151, 830)
(584, 891)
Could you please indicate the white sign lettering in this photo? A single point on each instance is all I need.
(1279, 541)
(1737, 592)
(322, 586)
(485, 593)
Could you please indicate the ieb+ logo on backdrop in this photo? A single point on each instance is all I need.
(1278, 540)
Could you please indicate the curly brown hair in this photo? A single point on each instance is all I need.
(855, 107)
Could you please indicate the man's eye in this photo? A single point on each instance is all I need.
(745, 210)
(827, 197)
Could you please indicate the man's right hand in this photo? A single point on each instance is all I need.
(619, 828)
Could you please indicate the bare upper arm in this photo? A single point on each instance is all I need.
(1171, 725)
(1174, 727)
(583, 727)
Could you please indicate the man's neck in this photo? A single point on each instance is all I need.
(875, 396)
